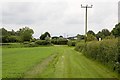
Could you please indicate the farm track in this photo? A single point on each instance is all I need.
(67, 63)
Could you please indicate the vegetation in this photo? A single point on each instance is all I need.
(60, 41)
(105, 51)
(45, 35)
(60, 61)
(91, 32)
(116, 30)
(71, 43)
(102, 34)
(51, 62)
(16, 61)
(43, 42)
(24, 34)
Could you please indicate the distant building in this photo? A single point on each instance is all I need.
(119, 12)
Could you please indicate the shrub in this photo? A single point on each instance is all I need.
(43, 42)
(80, 46)
(31, 44)
(91, 37)
(71, 43)
(59, 41)
(105, 51)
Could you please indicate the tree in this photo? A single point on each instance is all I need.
(45, 35)
(60, 36)
(55, 37)
(25, 34)
(4, 35)
(106, 32)
(4, 32)
(91, 32)
(13, 38)
(100, 35)
(80, 37)
(90, 37)
(11, 32)
(116, 30)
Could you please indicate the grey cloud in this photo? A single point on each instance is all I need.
(60, 16)
(31, 13)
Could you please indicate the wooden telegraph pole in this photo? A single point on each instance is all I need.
(86, 7)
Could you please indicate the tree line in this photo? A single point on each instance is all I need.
(25, 34)
(103, 34)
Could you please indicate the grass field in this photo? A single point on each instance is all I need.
(52, 62)
(16, 61)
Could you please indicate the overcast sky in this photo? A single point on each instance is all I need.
(59, 17)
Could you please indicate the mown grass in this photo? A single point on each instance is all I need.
(71, 64)
(16, 61)
(67, 63)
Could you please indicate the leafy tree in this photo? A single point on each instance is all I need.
(42, 37)
(13, 39)
(100, 35)
(13, 33)
(45, 35)
(80, 37)
(55, 37)
(4, 35)
(106, 32)
(60, 36)
(25, 34)
(116, 30)
(90, 37)
(5, 39)
(4, 32)
(91, 32)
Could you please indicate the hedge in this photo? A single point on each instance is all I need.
(59, 41)
(43, 42)
(71, 43)
(106, 52)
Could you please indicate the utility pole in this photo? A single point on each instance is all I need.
(86, 17)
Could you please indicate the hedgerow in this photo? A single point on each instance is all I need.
(71, 43)
(107, 52)
(59, 41)
(43, 42)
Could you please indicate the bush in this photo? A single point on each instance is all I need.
(30, 44)
(59, 41)
(91, 37)
(80, 46)
(26, 42)
(43, 42)
(105, 51)
(71, 43)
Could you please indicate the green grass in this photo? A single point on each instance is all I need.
(51, 62)
(71, 64)
(12, 45)
(16, 61)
